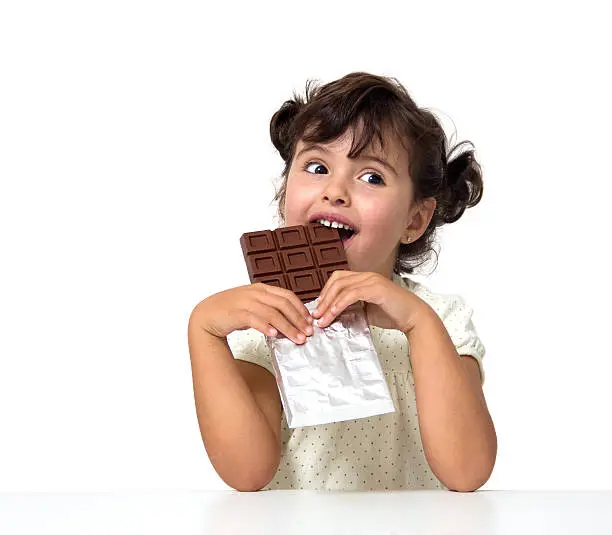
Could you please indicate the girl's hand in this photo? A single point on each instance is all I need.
(263, 307)
(387, 304)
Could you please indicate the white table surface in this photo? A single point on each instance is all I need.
(299, 512)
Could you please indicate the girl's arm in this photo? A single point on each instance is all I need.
(457, 431)
(239, 411)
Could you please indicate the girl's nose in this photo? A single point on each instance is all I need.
(336, 194)
(336, 200)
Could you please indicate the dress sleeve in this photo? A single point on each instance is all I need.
(250, 345)
(457, 318)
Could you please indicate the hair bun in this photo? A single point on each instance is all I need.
(462, 185)
(280, 126)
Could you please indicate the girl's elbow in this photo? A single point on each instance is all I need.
(254, 480)
(470, 482)
(249, 488)
(251, 484)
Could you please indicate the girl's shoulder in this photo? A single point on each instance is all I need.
(437, 300)
(455, 312)
(418, 288)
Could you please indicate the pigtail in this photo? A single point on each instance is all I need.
(280, 126)
(462, 186)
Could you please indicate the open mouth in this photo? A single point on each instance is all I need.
(346, 232)
(346, 235)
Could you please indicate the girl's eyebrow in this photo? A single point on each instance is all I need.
(382, 162)
(312, 147)
(316, 146)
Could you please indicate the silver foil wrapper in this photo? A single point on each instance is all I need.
(334, 376)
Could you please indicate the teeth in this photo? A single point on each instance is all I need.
(334, 224)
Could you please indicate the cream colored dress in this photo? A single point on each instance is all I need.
(381, 452)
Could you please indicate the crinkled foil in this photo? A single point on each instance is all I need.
(334, 376)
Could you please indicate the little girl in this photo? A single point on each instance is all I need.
(357, 151)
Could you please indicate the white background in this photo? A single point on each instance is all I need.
(135, 150)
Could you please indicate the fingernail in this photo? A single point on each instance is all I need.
(309, 319)
(301, 337)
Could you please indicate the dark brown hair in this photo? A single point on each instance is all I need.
(375, 103)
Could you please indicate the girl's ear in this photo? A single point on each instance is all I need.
(420, 219)
(406, 238)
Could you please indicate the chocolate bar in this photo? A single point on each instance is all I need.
(300, 258)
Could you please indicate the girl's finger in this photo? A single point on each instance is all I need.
(333, 278)
(333, 288)
(342, 301)
(289, 310)
(263, 327)
(290, 305)
(256, 319)
(287, 294)
(278, 320)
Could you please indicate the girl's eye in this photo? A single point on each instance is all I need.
(375, 175)
(317, 166)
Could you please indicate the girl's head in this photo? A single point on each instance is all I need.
(359, 148)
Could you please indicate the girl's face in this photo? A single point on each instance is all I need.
(374, 197)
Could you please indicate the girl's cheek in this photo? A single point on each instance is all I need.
(302, 193)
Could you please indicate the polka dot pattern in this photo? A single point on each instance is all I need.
(381, 452)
